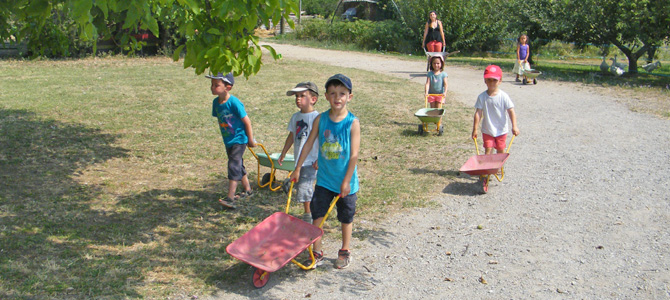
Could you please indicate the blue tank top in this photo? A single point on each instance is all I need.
(334, 153)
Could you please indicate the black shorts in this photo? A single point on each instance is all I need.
(236, 170)
(346, 207)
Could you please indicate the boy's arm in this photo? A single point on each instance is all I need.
(287, 145)
(512, 117)
(250, 133)
(355, 145)
(306, 149)
(475, 124)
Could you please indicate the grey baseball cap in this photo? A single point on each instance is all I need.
(303, 86)
(228, 78)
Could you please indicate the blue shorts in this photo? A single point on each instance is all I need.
(236, 170)
(346, 207)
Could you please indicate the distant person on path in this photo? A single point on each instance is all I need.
(339, 139)
(436, 82)
(237, 134)
(433, 34)
(299, 127)
(522, 55)
(493, 107)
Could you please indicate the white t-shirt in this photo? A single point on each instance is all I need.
(301, 125)
(494, 117)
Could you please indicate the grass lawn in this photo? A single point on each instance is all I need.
(110, 170)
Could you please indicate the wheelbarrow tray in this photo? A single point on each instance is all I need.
(274, 242)
(484, 164)
(429, 115)
(288, 164)
(430, 54)
(532, 73)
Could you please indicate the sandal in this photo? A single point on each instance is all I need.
(244, 194)
(227, 203)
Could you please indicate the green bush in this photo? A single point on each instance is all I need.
(388, 35)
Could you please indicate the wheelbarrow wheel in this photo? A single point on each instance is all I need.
(441, 131)
(534, 81)
(286, 185)
(260, 278)
(265, 179)
(420, 129)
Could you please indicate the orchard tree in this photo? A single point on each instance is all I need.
(633, 26)
(218, 35)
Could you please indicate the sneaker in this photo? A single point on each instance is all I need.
(318, 256)
(343, 259)
(307, 217)
(244, 194)
(227, 203)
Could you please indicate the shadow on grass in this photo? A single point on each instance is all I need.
(66, 239)
(441, 173)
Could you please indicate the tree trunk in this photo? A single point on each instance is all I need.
(632, 56)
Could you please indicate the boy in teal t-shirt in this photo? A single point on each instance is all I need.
(237, 134)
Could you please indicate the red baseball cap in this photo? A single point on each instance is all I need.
(493, 71)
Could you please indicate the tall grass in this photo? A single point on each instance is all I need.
(110, 170)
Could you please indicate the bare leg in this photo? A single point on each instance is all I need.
(245, 183)
(346, 235)
(317, 243)
(306, 206)
(232, 187)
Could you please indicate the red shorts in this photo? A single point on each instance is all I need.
(497, 142)
(438, 99)
(434, 46)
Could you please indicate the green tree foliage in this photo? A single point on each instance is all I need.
(633, 26)
(323, 8)
(217, 35)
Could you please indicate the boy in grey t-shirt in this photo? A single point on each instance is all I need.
(299, 127)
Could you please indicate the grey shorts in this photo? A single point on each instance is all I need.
(304, 188)
(236, 170)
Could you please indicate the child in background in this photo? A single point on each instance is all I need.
(492, 109)
(522, 55)
(237, 134)
(299, 127)
(436, 82)
(339, 139)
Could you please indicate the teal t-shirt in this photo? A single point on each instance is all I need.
(436, 82)
(230, 115)
(334, 153)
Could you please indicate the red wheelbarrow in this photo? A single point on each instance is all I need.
(276, 241)
(486, 165)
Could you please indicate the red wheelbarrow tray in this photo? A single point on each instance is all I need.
(484, 164)
(274, 242)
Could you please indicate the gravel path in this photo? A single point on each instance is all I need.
(582, 214)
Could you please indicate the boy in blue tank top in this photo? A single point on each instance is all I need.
(339, 140)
